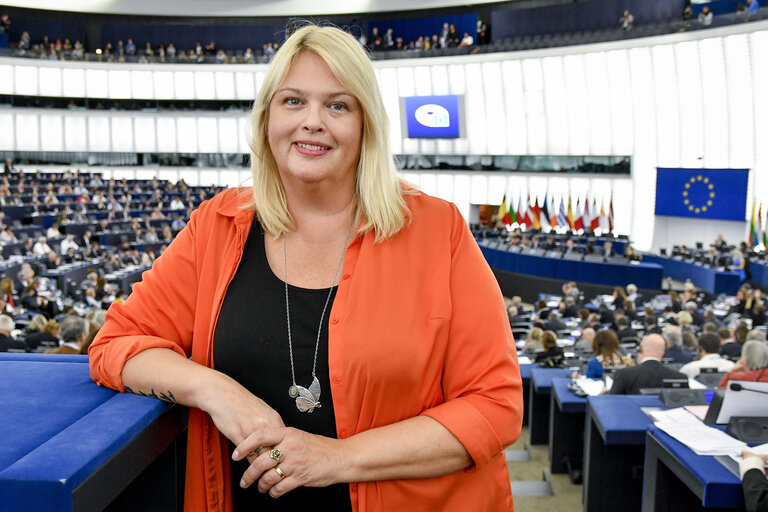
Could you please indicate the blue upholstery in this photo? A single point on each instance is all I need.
(58, 428)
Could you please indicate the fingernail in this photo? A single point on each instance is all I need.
(235, 455)
(242, 484)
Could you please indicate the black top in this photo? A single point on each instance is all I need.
(251, 346)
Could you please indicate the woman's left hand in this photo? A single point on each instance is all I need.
(306, 460)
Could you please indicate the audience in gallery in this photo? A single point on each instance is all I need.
(160, 52)
(36, 309)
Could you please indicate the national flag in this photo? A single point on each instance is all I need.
(536, 214)
(522, 214)
(603, 219)
(595, 222)
(544, 212)
(752, 230)
(578, 223)
(610, 215)
(503, 210)
(553, 218)
(512, 214)
(765, 235)
(586, 218)
(570, 213)
(759, 229)
(562, 216)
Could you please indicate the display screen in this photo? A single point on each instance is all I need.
(433, 117)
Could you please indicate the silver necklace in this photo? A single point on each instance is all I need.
(308, 399)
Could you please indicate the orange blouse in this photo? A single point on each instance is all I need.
(418, 326)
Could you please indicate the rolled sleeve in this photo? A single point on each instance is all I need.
(481, 377)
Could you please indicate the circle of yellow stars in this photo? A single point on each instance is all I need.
(699, 208)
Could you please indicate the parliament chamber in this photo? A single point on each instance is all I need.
(608, 165)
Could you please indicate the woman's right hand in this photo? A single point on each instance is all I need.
(236, 412)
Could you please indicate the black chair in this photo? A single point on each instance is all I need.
(710, 377)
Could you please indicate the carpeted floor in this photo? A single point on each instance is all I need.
(566, 496)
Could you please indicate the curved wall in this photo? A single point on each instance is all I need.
(683, 100)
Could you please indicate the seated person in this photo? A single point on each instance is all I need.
(607, 355)
(6, 339)
(554, 323)
(652, 325)
(632, 293)
(753, 481)
(74, 331)
(570, 248)
(551, 350)
(42, 331)
(709, 346)
(752, 366)
(587, 337)
(533, 343)
(626, 332)
(568, 307)
(731, 345)
(649, 373)
(673, 336)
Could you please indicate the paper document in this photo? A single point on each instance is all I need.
(591, 387)
(692, 432)
(523, 360)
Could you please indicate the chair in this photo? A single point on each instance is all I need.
(710, 377)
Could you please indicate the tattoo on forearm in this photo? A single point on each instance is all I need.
(165, 397)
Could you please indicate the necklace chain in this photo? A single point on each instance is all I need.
(325, 306)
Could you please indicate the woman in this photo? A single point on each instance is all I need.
(751, 366)
(533, 343)
(607, 355)
(42, 331)
(631, 255)
(411, 374)
(738, 264)
(551, 351)
(619, 296)
(754, 307)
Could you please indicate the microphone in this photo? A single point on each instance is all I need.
(738, 387)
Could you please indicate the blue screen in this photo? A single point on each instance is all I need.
(702, 193)
(433, 117)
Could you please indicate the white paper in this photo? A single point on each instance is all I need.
(692, 432)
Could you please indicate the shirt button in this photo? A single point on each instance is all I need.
(336, 379)
(334, 320)
(343, 434)
(353, 486)
(345, 276)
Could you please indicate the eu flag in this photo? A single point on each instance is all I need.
(702, 193)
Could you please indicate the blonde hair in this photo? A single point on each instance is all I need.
(378, 190)
(684, 318)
